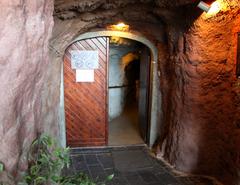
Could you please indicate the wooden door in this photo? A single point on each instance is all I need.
(144, 93)
(86, 103)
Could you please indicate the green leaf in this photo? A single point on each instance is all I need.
(56, 178)
(46, 160)
(110, 177)
(34, 170)
(1, 167)
(27, 178)
(22, 183)
(40, 180)
(35, 142)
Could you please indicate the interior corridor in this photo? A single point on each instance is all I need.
(124, 77)
(124, 129)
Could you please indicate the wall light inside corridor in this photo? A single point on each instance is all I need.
(212, 9)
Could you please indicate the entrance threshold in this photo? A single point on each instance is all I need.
(97, 149)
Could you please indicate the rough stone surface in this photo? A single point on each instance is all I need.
(199, 129)
(25, 30)
(201, 99)
(87, 6)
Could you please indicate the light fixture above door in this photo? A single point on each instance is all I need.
(121, 26)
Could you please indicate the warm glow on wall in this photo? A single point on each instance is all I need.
(129, 58)
(220, 6)
(215, 8)
(119, 27)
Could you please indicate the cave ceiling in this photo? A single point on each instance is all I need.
(131, 10)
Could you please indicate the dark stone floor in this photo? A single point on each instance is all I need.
(130, 166)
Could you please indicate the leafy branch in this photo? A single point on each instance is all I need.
(46, 161)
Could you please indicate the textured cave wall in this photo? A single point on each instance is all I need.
(25, 30)
(200, 127)
(201, 100)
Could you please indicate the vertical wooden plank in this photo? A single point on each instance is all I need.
(86, 103)
(238, 56)
(107, 93)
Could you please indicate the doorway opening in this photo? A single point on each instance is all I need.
(91, 127)
(124, 85)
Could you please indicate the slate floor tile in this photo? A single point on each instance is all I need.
(77, 158)
(99, 177)
(106, 160)
(148, 177)
(130, 160)
(167, 178)
(80, 166)
(118, 181)
(91, 159)
(135, 180)
(130, 166)
(96, 169)
(131, 173)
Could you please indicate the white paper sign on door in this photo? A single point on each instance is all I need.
(87, 59)
(84, 75)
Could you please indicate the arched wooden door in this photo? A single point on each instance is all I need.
(86, 103)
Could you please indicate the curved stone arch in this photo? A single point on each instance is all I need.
(154, 81)
(128, 35)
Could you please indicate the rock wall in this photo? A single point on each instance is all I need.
(199, 132)
(201, 96)
(25, 30)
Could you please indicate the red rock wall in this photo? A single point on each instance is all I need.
(201, 100)
(200, 130)
(25, 30)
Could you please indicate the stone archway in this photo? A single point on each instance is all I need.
(154, 84)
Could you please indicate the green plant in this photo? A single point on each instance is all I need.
(82, 179)
(46, 161)
(79, 179)
(1, 167)
(5, 177)
(1, 170)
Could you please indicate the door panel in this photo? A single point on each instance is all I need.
(86, 103)
(144, 93)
